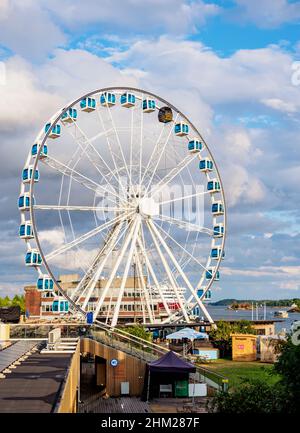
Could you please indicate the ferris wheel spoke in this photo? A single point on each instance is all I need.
(100, 262)
(185, 197)
(158, 152)
(78, 177)
(79, 208)
(127, 240)
(172, 174)
(92, 154)
(190, 227)
(84, 237)
(112, 154)
(180, 246)
(143, 286)
(141, 144)
(168, 272)
(182, 274)
(152, 273)
(118, 140)
(125, 275)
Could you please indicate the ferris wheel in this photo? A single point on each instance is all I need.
(121, 189)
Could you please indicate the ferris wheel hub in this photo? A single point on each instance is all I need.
(148, 207)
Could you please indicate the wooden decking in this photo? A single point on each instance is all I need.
(116, 405)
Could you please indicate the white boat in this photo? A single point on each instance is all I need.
(281, 313)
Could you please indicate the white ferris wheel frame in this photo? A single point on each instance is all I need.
(134, 233)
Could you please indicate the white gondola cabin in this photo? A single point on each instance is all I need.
(35, 148)
(25, 230)
(45, 283)
(216, 253)
(206, 165)
(24, 201)
(195, 145)
(55, 130)
(33, 258)
(181, 129)
(213, 186)
(217, 208)
(108, 99)
(60, 305)
(69, 116)
(149, 105)
(219, 230)
(27, 174)
(127, 100)
(88, 104)
(210, 272)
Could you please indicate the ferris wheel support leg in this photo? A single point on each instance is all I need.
(142, 282)
(107, 251)
(124, 278)
(152, 273)
(169, 273)
(115, 268)
(177, 266)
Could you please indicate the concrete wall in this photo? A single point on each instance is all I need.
(243, 347)
(129, 369)
(68, 402)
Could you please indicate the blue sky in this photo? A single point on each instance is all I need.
(230, 65)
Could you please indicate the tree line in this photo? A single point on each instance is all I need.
(269, 302)
(17, 300)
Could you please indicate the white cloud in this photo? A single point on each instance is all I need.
(27, 29)
(24, 101)
(146, 16)
(75, 72)
(54, 237)
(262, 271)
(268, 13)
(4, 8)
(279, 104)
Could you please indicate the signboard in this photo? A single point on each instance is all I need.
(114, 362)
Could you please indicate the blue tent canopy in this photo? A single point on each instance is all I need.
(188, 333)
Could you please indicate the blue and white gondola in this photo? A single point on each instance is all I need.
(55, 130)
(88, 104)
(181, 129)
(127, 100)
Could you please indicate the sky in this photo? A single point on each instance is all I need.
(233, 67)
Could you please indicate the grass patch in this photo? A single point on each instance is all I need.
(236, 371)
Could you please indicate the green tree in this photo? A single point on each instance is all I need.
(288, 365)
(253, 396)
(139, 331)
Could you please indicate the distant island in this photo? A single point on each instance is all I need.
(246, 304)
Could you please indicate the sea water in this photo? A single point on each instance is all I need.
(223, 313)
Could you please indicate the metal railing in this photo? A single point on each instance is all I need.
(116, 338)
(149, 351)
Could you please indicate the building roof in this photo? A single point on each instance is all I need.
(35, 385)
